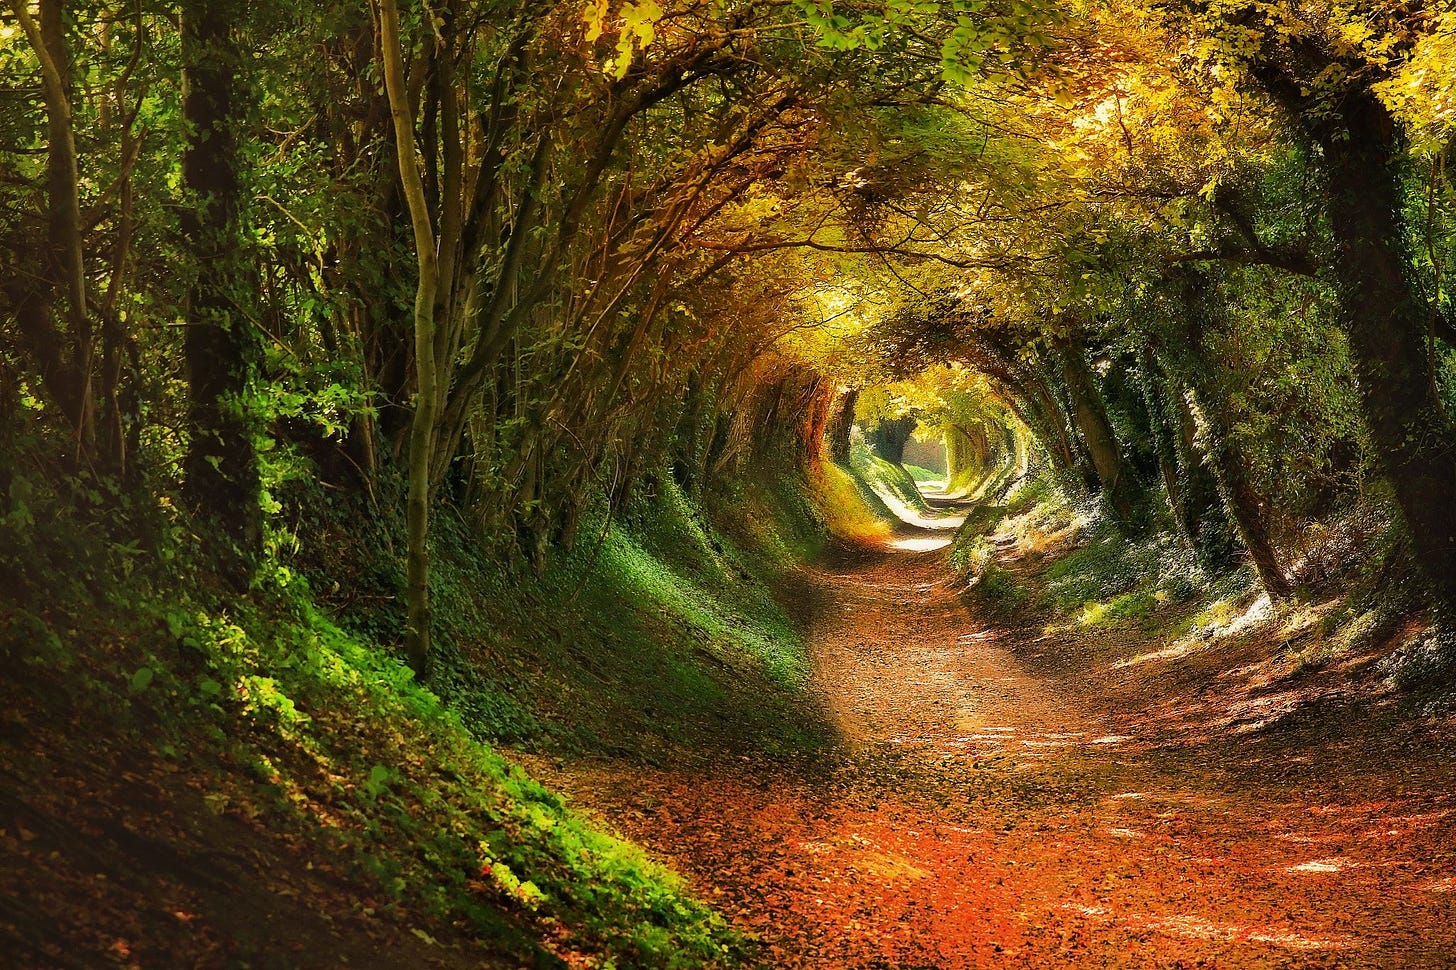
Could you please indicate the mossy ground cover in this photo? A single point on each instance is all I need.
(878, 478)
(288, 712)
(922, 475)
(656, 638)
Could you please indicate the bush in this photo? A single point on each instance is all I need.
(998, 591)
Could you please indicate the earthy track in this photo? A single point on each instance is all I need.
(1001, 798)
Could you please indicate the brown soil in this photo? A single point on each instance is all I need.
(1001, 797)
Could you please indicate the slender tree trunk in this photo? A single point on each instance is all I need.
(1189, 368)
(1193, 495)
(1164, 433)
(63, 184)
(422, 427)
(1201, 510)
(1020, 450)
(222, 347)
(67, 376)
(1230, 468)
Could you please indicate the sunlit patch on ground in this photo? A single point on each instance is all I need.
(920, 543)
(1194, 926)
(1191, 926)
(1324, 865)
(1257, 612)
(947, 522)
(1180, 648)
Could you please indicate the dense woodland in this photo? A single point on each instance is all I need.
(297, 300)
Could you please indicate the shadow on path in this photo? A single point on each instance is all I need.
(985, 809)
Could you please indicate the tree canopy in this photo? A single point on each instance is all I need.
(519, 258)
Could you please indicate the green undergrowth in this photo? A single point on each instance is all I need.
(659, 637)
(983, 486)
(288, 720)
(1082, 572)
(923, 476)
(853, 512)
(1032, 555)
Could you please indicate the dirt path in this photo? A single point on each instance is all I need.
(1004, 799)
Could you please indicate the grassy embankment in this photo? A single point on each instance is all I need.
(1030, 554)
(278, 731)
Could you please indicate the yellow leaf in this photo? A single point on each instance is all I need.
(594, 16)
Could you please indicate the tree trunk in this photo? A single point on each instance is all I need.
(1193, 496)
(1243, 502)
(1387, 322)
(1164, 431)
(221, 346)
(1194, 387)
(67, 376)
(1382, 311)
(1090, 417)
(1201, 512)
(841, 422)
(427, 395)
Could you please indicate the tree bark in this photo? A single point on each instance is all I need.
(68, 380)
(1387, 322)
(422, 426)
(1089, 414)
(1193, 497)
(1230, 468)
(221, 345)
(1382, 310)
(1165, 432)
(841, 422)
(1201, 512)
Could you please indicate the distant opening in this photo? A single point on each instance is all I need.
(928, 454)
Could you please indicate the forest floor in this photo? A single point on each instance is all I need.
(1004, 795)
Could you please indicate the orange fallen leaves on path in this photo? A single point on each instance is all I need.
(999, 800)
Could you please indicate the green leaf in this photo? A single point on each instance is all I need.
(141, 679)
(378, 780)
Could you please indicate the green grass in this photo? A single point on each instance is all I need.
(999, 592)
(970, 550)
(877, 477)
(658, 638)
(1106, 579)
(924, 476)
(285, 718)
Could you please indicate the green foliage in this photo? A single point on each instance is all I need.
(290, 719)
(923, 476)
(998, 591)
